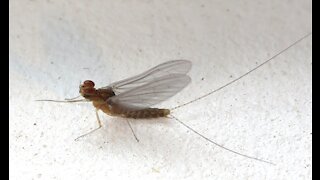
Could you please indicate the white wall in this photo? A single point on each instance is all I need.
(56, 44)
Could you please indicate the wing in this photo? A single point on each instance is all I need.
(169, 67)
(151, 93)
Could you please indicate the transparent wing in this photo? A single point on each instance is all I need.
(151, 93)
(169, 67)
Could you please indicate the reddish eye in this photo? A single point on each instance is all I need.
(88, 83)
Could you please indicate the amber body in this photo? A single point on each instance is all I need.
(99, 98)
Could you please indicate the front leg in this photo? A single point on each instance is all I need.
(99, 123)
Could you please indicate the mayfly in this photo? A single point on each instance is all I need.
(134, 97)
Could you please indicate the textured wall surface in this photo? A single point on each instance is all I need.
(55, 44)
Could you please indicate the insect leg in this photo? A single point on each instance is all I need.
(132, 130)
(100, 125)
(68, 99)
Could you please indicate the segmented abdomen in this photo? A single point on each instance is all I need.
(118, 110)
(146, 113)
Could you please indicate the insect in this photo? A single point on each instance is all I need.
(134, 97)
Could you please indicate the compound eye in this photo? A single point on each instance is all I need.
(88, 83)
